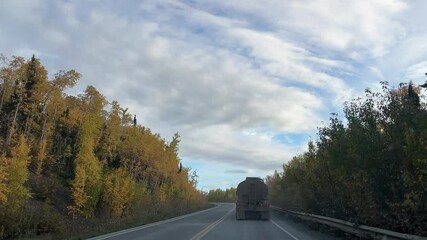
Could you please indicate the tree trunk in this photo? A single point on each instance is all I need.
(12, 128)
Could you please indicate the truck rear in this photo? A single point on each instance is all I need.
(252, 199)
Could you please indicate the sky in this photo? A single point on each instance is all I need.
(245, 83)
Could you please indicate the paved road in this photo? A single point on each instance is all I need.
(220, 223)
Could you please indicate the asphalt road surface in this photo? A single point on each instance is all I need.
(220, 223)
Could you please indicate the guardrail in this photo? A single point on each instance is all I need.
(362, 231)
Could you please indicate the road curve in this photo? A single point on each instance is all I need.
(219, 223)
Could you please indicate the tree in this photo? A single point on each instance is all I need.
(12, 96)
(86, 186)
(371, 170)
(17, 170)
(119, 191)
(106, 149)
(412, 97)
(57, 148)
(52, 104)
(35, 88)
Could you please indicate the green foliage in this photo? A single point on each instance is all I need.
(111, 133)
(371, 170)
(219, 195)
(87, 185)
(75, 161)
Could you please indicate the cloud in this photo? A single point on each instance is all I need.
(228, 76)
(288, 61)
(222, 144)
(417, 72)
(236, 171)
(366, 26)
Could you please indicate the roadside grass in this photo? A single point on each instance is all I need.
(80, 228)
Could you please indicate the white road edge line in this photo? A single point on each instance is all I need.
(205, 231)
(113, 234)
(277, 225)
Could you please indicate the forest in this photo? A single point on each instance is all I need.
(219, 195)
(369, 167)
(80, 165)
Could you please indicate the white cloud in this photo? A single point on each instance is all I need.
(417, 72)
(221, 144)
(367, 25)
(376, 72)
(227, 75)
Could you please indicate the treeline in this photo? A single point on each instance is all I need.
(219, 195)
(69, 163)
(370, 168)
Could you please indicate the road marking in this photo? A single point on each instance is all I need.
(109, 235)
(205, 231)
(277, 225)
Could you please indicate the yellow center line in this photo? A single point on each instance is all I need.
(205, 231)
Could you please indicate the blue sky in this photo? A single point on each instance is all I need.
(245, 83)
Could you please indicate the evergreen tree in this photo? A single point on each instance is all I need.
(101, 162)
(412, 96)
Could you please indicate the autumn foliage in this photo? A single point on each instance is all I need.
(219, 195)
(370, 168)
(80, 160)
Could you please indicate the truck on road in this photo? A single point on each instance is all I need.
(252, 199)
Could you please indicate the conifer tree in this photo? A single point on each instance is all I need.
(106, 150)
(412, 96)
(79, 153)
